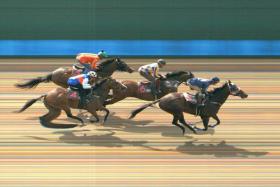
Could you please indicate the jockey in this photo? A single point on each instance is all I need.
(82, 83)
(150, 72)
(201, 85)
(89, 60)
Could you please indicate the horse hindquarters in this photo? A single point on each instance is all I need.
(51, 115)
(60, 76)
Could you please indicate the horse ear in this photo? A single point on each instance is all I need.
(118, 60)
(229, 81)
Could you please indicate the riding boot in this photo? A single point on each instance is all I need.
(83, 101)
(154, 90)
(158, 86)
(87, 68)
(200, 104)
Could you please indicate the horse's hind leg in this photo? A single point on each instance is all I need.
(70, 115)
(51, 115)
(182, 120)
(175, 122)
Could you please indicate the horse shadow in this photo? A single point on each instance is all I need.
(81, 137)
(221, 149)
(116, 123)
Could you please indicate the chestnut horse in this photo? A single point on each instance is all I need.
(176, 104)
(142, 90)
(57, 100)
(105, 68)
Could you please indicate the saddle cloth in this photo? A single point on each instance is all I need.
(144, 87)
(73, 95)
(190, 98)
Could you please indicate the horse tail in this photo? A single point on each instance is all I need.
(141, 108)
(29, 103)
(34, 82)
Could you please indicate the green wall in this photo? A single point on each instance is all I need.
(139, 19)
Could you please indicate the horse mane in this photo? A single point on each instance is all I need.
(103, 63)
(217, 89)
(175, 73)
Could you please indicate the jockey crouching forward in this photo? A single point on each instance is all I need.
(150, 72)
(82, 84)
(201, 85)
(89, 60)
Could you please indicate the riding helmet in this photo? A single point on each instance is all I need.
(92, 74)
(102, 54)
(161, 61)
(215, 79)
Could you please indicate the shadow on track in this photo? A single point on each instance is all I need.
(221, 149)
(100, 140)
(116, 123)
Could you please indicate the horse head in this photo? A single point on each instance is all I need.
(235, 90)
(122, 66)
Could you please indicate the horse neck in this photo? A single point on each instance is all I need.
(181, 78)
(221, 95)
(110, 68)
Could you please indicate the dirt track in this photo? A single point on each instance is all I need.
(148, 151)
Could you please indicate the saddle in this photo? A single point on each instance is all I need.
(78, 66)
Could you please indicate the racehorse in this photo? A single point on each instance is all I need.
(176, 104)
(58, 99)
(105, 68)
(142, 90)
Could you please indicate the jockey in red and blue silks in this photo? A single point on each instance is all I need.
(81, 83)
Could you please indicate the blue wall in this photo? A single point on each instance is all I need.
(183, 48)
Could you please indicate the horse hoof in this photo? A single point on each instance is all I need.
(94, 121)
(82, 125)
(212, 126)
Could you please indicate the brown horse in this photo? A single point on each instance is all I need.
(142, 90)
(105, 68)
(176, 104)
(57, 100)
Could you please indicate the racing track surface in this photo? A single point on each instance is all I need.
(147, 151)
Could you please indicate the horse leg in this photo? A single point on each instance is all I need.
(189, 126)
(217, 119)
(175, 122)
(70, 115)
(107, 113)
(205, 121)
(93, 113)
(51, 115)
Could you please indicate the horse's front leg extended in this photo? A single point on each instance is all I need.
(217, 121)
(205, 121)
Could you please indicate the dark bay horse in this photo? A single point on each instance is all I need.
(169, 84)
(105, 68)
(57, 100)
(176, 104)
